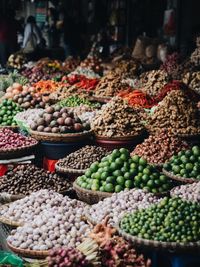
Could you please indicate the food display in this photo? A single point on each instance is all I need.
(159, 148)
(176, 112)
(119, 204)
(8, 110)
(195, 56)
(16, 60)
(74, 101)
(153, 81)
(192, 80)
(119, 171)
(8, 80)
(82, 158)
(10, 140)
(25, 179)
(58, 120)
(117, 118)
(70, 64)
(171, 63)
(25, 118)
(127, 68)
(188, 192)
(167, 221)
(185, 164)
(93, 63)
(110, 85)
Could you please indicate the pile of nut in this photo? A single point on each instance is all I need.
(116, 118)
(192, 79)
(127, 68)
(189, 192)
(83, 158)
(118, 204)
(25, 179)
(52, 221)
(195, 57)
(109, 85)
(153, 81)
(160, 147)
(176, 113)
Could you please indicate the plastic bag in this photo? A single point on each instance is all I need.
(11, 259)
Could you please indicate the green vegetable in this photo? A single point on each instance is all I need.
(74, 101)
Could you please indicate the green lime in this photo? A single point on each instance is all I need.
(176, 169)
(117, 173)
(115, 153)
(142, 162)
(127, 175)
(120, 180)
(110, 179)
(147, 171)
(97, 175)
(196, 150)
(124, 157)
(104, 175)
(95, 187)
(113, 166)
(109, 188)
(188, 153)
(150, 183)
(104, 159)
(184, 159)
(193, 158)
(189, 166)
(163, 178)
(135, 158)
(118, 188)
(145, 178)
(101, 189)
(88, 173)
(133, 166)
(88, 187)
(140, 168)
(124, 151)
(129, 184)
(94, 166)
(119, 161)
(84, 185)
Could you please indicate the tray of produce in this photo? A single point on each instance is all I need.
(78, 161)
(163, 225)
(119, 171)
(117, 119)
(184, 166)
(14, 145)
(89, 196)
(188, 192)
(59, 125)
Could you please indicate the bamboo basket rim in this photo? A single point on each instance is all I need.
(18, 149)
(158, 244)
(9, 126)
(69, 170)
(90, 192)
(179, 178)
(119, 138)
(28, 252)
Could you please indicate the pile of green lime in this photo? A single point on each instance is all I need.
(171, 220)
(119, 171)
(186, 164)
(8, 109)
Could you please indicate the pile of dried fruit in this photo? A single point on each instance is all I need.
(127, 68)
(176, 113)
(153, 81)
(119, 204)
(160, 147)
(192, 79)
(10, 140)
(110, 85)
(189, 192)
(82, 158)
(26, 179)
(116, 118)
(58, 120)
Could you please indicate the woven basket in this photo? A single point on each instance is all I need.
(10, 127)
(51, 137)
(29, 253)
(71, 174)
(89, 196)
(17, 152)
(119, 138)
(179, 178)
(175, 246)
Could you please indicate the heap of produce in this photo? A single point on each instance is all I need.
(89, 73)
(171, 63)
(25, 179)
(110, 85)
(195, 57)
(58, 120)
(119, 204)
(8, 80)
(176, 113)
(70, 64)
(182, 69)
(93, 63)
(83, 158)
(159, 148)
(10, 140)
(116, 118)
(185, 164)
(27, 117)
(118, 171)
(46, 87)
(168, 221)
(52, 221)
(8, 110)
(192, 79)
(74, 101)
(67, 257)
(16, 61)
(153, 81)
(188, 192)
(127, 68)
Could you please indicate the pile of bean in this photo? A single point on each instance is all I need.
(110, 85)
(153, 81)
(61, 225)
(192, 79)
(177, 113)
(171, 220)
(160, 147)
(83, 158)
(119, 204)
(10, 140)
(25, 209)
(26, 179)
(189, 192)
(116, 118)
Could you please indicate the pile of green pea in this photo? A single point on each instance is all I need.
(171, 220)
